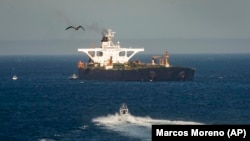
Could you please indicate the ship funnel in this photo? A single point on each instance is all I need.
(107, 35)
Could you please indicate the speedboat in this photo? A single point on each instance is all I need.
(123, 113)
(14, 77)
(124, 109)
(73, 77)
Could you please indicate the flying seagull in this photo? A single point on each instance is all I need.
(76, 28)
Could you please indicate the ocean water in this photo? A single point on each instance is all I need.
(44, 105)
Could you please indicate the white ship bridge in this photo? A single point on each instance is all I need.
(109, 52)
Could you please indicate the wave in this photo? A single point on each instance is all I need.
(46, 140)
(135, 126)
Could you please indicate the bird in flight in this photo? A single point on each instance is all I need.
(76, 28)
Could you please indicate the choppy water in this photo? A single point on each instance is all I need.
(43, 105)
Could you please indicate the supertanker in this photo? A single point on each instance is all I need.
(111, 62)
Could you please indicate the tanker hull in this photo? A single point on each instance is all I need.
(146, 74)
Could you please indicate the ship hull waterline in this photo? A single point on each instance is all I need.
(145, 74)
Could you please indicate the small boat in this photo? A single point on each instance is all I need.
(73, 77)
(14, 77)
(123, 113)
(124, 109)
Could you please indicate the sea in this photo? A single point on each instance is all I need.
(44, 105)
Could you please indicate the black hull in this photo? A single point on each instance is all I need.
(147, 74)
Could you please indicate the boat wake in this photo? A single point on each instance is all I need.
(135, 126)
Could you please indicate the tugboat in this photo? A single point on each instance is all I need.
(111, 62)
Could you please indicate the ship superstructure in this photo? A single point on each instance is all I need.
(110, 53)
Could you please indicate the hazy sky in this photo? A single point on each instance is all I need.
(131, 19)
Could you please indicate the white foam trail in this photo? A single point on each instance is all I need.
(135, 126)
(46, 140)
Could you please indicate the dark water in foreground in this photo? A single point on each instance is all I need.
(43, 105)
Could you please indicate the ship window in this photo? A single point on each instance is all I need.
(122, 53)
(99, 53)
(129, 53)
(91, 53)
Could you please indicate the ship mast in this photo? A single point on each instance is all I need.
(109, 52)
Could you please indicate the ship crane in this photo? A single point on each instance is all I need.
(163, 60)
(154, 59)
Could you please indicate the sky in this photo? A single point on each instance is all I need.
(44, 21)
